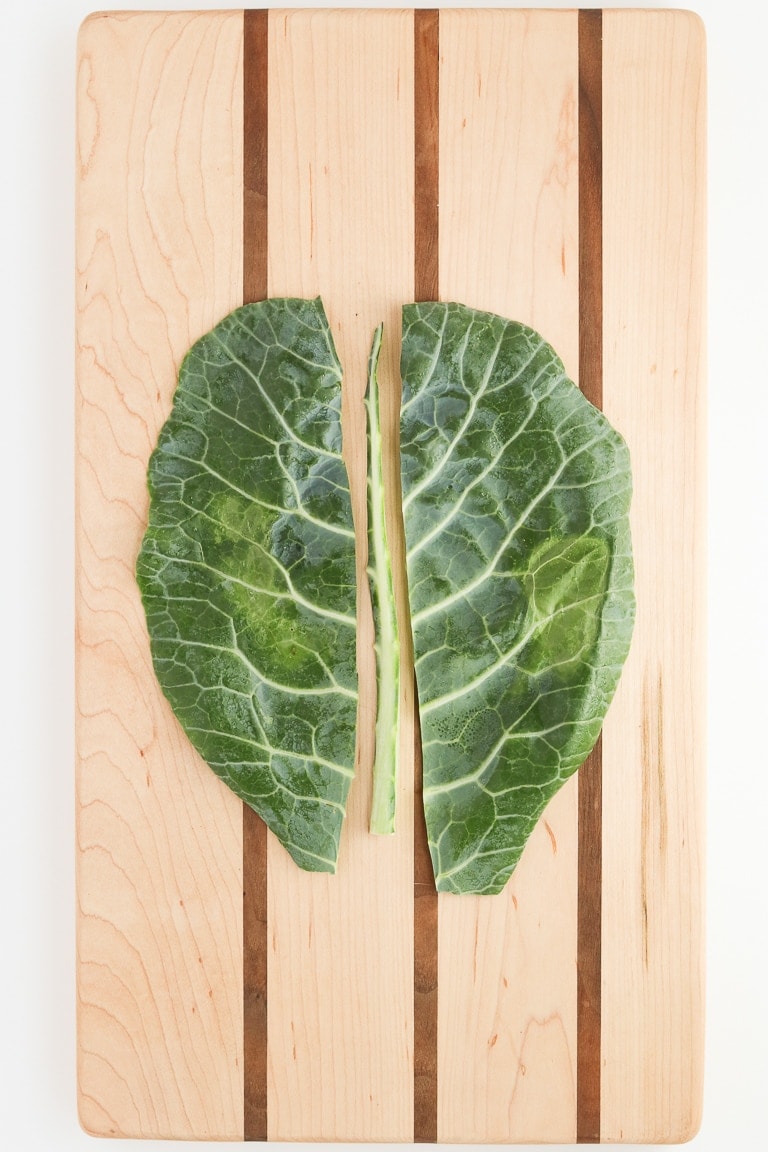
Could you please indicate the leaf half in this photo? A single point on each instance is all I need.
(516, 494)
(247, 570)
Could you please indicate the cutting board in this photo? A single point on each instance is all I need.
(546, 165)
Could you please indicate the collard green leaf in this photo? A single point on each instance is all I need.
(247, 570)
(387, 645)
(516, 494)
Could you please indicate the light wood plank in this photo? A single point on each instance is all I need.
(341, 224)
(159, 857)
(653, 744)
(509, 243)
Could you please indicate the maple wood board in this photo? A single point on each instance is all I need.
(217, 148)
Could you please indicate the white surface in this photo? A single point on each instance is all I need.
(37, 1039)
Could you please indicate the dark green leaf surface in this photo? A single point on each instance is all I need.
(516, 494)
(247, 569)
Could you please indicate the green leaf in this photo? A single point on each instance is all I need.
(387, 645)
(516, 494)
(247, 570)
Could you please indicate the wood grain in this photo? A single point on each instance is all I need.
(255, 976)
(159, 151)
(255, 149)
(341, 224)
(255, 287)
(590, 34)
(426, 74)
(589, 948)
(509, 243)
(653, 742)
(426, 71)
(589, 782)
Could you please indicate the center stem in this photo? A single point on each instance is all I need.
(387, 645)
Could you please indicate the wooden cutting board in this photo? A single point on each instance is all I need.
(547, 165)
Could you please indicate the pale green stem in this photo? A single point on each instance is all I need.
(387, 645)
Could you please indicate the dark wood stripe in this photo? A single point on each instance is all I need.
(255, 119)
(255, 93)
(588, 1021)
(426, 287)
(426, 46)
(424, 965)
(254, 976)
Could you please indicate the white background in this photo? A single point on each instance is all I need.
(37, 981)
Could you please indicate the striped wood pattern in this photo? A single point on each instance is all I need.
(159, 261)
(176, 224)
